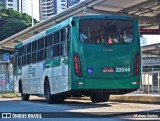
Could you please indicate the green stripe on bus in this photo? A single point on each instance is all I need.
(19, 45)
(55, 62)
(52, 63)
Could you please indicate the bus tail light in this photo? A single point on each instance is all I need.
(77, 65)
(136, 64)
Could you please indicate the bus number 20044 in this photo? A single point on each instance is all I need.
(122, 69)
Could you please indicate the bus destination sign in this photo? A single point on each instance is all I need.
(150, 31)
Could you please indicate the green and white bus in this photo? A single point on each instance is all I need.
(94, 55)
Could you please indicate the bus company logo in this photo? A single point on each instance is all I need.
(32, 71)
(105, 70)
(90, 70)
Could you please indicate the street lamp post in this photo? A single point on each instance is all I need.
(32, 12)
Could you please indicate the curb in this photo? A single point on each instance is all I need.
(136, 98)
(154, 99)
(9, 96)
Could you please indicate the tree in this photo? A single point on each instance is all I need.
(2, 5)
(12, 22)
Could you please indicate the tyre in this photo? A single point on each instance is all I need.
(97, 97)
(52, 99)
(24, 97)
(47, 93)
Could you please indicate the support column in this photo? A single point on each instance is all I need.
(158, 83)
(148, 84)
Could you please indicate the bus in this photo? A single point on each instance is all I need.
(91, 55)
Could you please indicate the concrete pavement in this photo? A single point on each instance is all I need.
(137, 98)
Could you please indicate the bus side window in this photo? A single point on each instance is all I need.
(65, 36)
(28, 53)
(20, 56)
(56, 44)
(34, 51)
(48, 43)
(40, 52)
(24, 56)
(56, 37)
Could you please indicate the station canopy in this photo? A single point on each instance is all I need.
(153, 49)
(147, 11)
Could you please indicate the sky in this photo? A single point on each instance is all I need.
(35, 9)
(152, 39)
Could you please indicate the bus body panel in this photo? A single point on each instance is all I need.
(115, 58)
(58, 75)
(32, 76)
(106, 66)
(106, 84)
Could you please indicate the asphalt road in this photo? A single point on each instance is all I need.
(78, 110)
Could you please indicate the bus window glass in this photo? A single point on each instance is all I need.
(106, 31)
(34, 57)
(40, 55)
(63, 35)
(34, 46)
(56, 51)
(48, 40)
(25, 49)
(24, 58)
(29, 48)
(41, 43)
(67, 32)
(19, 51)
(49, 52)
(19, 61)
(64, 48)
(65, 39)
(28, 59)
(56, 37)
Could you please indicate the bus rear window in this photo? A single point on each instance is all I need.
(106, 31)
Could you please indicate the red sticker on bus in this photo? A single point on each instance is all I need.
(105, 70)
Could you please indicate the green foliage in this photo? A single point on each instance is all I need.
(2, 5)
(12, 22)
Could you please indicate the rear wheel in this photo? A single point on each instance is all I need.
(97, 97)
(24, 97)
(52, 98)
(47, 92)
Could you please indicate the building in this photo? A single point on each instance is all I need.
(29, 7)
(12, 4)
(73, 2)
(49, 8)
(22, 6)
(2, 4)
(61, 6)
(3, 1)
(46, 9)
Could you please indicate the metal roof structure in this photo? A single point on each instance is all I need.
(153, 49)
(148, 12)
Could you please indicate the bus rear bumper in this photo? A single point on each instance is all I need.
(128, 83)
